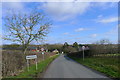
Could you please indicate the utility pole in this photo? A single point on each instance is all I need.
(83, 48)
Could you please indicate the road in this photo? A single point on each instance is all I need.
(64, 67)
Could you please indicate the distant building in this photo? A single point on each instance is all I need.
(32, 48)
(87, 48)
(55, 51)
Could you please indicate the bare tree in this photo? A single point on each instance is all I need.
(27, 27)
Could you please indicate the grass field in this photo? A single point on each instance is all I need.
(109, 66)
(33, 73)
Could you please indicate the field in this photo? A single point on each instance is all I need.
(108, 65)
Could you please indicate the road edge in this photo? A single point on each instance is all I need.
(95, 71)
(41, 74)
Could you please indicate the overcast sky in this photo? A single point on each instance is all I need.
(73, 21)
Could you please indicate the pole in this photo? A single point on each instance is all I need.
(83, 54)
(28, 64)
(43, 55)
(36, 64)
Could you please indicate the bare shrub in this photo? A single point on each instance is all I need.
(13, 61)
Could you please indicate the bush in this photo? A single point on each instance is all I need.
(87, 53)
(69, 49)
(13, 61)
(97, 49)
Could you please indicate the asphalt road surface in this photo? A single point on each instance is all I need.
(64, 67)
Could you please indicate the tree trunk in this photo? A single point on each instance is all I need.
(25, 48)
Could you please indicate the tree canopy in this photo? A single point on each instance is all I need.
(27, 27)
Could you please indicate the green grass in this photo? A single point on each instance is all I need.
(110, 55)
(32, 73)
(106, 65)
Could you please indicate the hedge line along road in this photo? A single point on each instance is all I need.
(64, 67)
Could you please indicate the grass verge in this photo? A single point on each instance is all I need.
(108, 66)
(32, 73)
